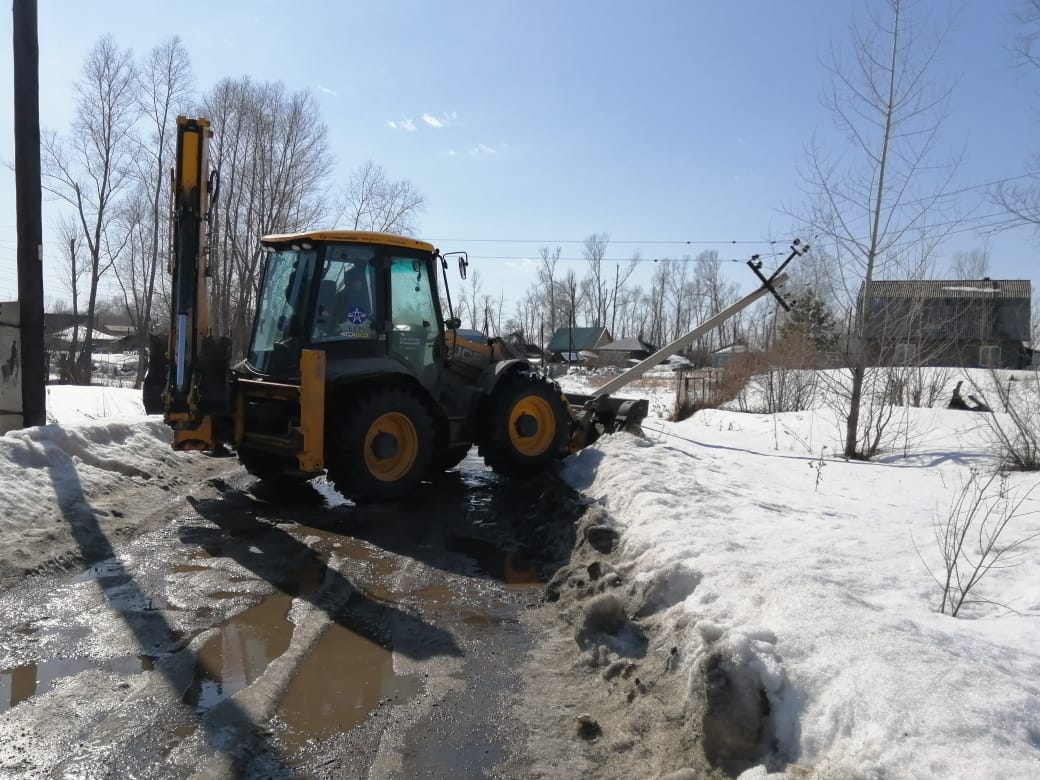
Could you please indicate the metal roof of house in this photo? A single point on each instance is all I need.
(629, 344)
(565, 339)
(97, 335)
(951, 288)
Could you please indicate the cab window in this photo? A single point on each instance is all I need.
(416, 332)
(346, 304)
(282, 304)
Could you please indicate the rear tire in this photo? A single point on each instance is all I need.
(383, 446)
(529, 426)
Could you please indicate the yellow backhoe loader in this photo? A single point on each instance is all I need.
(352, 368)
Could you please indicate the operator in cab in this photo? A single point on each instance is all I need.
(345, 312)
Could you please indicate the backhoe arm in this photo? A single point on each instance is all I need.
(190, 307)
(193, 371)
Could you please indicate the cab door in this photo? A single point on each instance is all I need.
(416, 335)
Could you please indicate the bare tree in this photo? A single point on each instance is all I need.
(713, 293)
(547, 283)
(681, 295)
(69, 232)
(654, 304)
(1034, 325)
(470, 301)
(135, 267)
(491, 309)
(272, 152)
(1022, 199)
(90, 169)
(629, 317)
(596, 284)
(165, 79)
(374, 201)
(973, 264)
(619, 301)
(874, 200)
(570, 292)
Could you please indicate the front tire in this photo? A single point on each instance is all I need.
(383, 447)
(528, 428)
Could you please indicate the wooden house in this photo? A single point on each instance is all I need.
(956, 323)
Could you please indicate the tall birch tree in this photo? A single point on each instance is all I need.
(874, 197)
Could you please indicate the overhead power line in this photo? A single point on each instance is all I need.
(759, 242)
(686, 259)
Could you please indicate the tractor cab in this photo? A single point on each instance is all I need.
(367, 300)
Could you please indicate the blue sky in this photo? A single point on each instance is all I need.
(532, 123)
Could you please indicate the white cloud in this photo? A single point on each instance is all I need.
(480, 150)
(440, 121)
(325, 90)
(401, 124)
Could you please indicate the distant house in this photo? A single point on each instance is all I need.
(59, 330)
(54, 322)
(721, 356)
(959, 323)
(575, 341)
(618, 353)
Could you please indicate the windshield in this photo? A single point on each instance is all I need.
(282, 304)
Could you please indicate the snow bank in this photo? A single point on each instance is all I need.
(72, 404)
(801, 579)
(54, 470)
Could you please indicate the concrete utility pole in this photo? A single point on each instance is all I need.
(28, 197)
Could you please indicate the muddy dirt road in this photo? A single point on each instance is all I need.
(257, 634)
(190, 624)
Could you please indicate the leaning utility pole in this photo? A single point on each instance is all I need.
(28, 195)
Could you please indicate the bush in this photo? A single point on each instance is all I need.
(971, 539)
(1014, 419)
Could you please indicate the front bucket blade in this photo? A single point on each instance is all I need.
(613, 414)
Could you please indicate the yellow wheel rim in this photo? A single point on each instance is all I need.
(391, 447)
(532, 425)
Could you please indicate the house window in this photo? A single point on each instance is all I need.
(905, 355)
(989, 357)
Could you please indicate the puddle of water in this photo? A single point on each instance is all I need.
(306, 578)
(240, 651)
(509, 567)
(110, 570)
(111, 576)
(23, 682)
(341, 682)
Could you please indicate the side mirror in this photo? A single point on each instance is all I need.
(453, 323)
